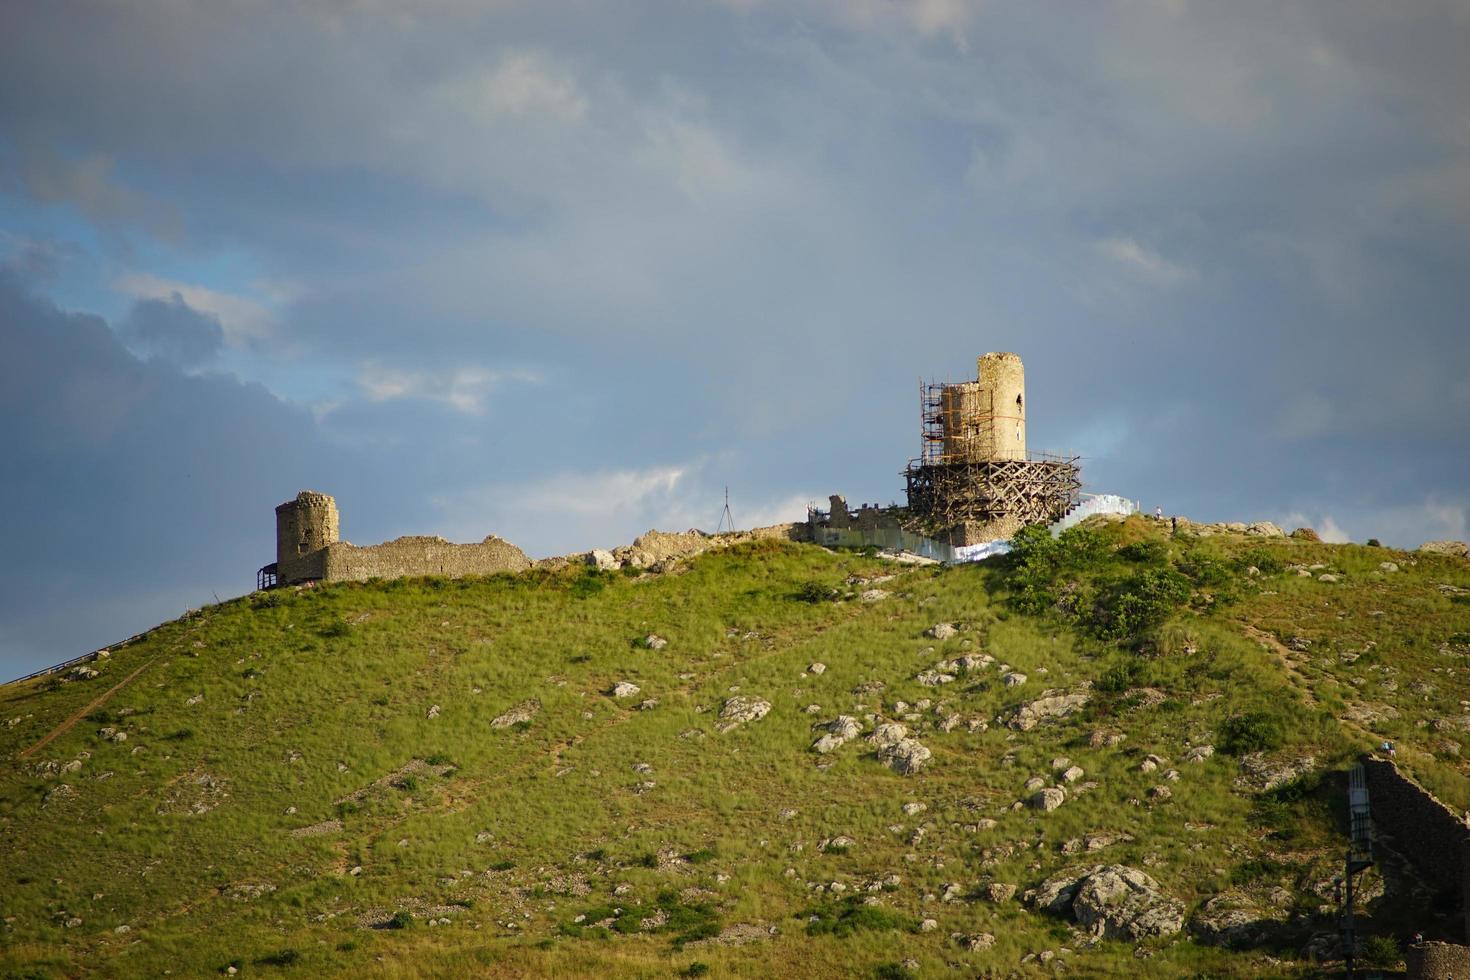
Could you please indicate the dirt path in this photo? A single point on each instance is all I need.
(84, 711)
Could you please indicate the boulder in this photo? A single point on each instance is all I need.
(941, 631)
(1264, 529)
(1055, 894)
(888, 733)
(1071, 774)
(625, 689)
(999, 892)
(1013, 679)
(655, 642)
(522, 712)
(905, 757)
(817, 668)
(933, 678)
(1199, 753)
(740, 709)
(844, 727)
(1119, 902)
(828, 743)
(602, 560)
(1047, 799)
(1262, 773)
(1232, 922)
(1052, 704)
(873, 595)
(1455, 549)
(1306, 534)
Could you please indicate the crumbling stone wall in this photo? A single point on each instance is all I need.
(419, 555)
(1425, 831)
(1437, 961)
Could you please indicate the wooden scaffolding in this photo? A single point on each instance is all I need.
(1038, 489)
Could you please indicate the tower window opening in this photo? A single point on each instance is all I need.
(1018, 401)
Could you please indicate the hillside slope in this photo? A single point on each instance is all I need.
(430, 777)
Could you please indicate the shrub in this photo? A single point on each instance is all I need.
(1254, 731)
(695, 969)
(400, 920)
(812, 592)
(1139, 603)
(336, 628)
(440, 759)
(1150, 551)
(502, 866)
(1120, 676)
(852, 916)
(701, 856)
(1381, 951)
(285, 957)
(1265, 561)
(1374, 543)
(588, 584)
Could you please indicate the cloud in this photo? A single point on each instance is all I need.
(524, 84)
(173, 330)
(243, 319)
(127, 480)
(1144, 263)
(88, 185)
(574, 511)
(464, 389)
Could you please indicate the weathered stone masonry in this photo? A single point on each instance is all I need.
(308, 549)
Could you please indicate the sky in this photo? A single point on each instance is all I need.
(562, 272)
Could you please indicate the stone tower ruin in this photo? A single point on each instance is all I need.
(309, 549)
(306, 524)
(974, 479)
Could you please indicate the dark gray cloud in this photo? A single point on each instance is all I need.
(173, 330)
(490, 257)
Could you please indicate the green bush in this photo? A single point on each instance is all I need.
(1265, 561)
(1150, 551)
(285, 957)
(812, 592)
(701, 856)
(588, 584)
(1374, 543)
(1381, 951)
(400, 920)
(336, 628)
(1254, 731)
(1139, 603)
(695, 969)
(853, 916)
(1120, 675)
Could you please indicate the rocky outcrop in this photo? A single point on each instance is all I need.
(905, 757)
(1455, 549)
(1232, 922)
(740, 709)
(1051, 704)
(1113, 901)
(522, 712)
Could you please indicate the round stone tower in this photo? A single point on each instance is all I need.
(1003, 379)
(304, 525)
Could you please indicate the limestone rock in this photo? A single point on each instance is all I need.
(1199, 753)
(827, 744)
(1232, 922)
(1306, 534)
(905, 757)
(888, 733)
(1013, 679)
(844, 727)
(740, 709)
(433, 711)
(625, 689)
(817, 668)
(1072, 773)
(601, 560)
(999, 892)
(941, 631)
(655, 642)
(1388, 566)
(1047, 799)
(1455, 549)
(522, 712)
(1119, 902)
(1264, 529)
(1052, 704)
(873, 595)
(933, 678)
(974, 942)
(1262, 773)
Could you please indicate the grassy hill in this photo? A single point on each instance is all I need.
(432, 777)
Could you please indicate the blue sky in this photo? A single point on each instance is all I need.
(561, 272)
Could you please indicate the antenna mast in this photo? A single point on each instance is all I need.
(725, 518)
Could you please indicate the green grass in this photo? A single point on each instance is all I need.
(255, 724)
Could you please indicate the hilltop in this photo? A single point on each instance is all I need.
(1107, 753)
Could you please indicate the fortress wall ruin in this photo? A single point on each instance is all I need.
(418, 555)
(1425, 831)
